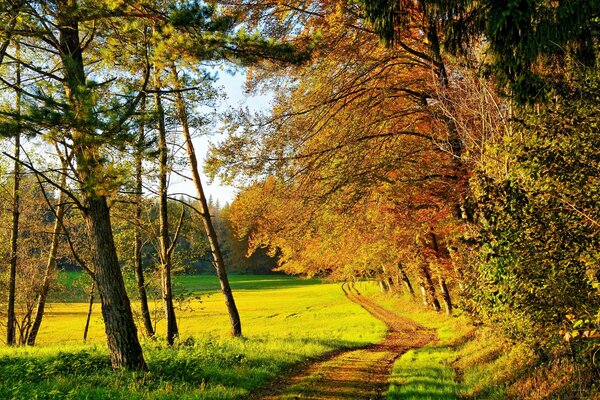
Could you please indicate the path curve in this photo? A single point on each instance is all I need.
(355, 374)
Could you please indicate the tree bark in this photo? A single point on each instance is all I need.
(14, 237)
(443, 287)
(382, 286)
(219, 264)
(429, 287)
(121, 333)
(405, 279)
(164, 239)
(387, 280)
(390, 284)
(445, 295)
(51, 264)
(124, 347)
(138, 266)
(423, 292)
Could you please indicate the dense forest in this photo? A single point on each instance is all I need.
(447, 150)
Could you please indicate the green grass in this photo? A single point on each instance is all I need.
(285, 320)
(424, 374)
(463, 363)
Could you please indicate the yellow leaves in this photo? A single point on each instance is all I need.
(336, 19)
(114, 4)
(583, 334)
(580, 328)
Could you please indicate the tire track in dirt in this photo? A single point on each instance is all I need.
(354, 374)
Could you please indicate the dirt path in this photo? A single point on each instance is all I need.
(356, 374)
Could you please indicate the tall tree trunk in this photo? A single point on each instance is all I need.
(405, 279)
(423, 291)
(445, 295)
(138, 266)
(14, 237)
(429, 287)
(124, 347)
(219, 264)
(443, 287)
(387, 279)
(88, 317)
(51, 264)
(164, 239)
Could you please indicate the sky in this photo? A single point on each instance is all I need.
(234, 88)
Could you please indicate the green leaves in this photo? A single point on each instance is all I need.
(539, 226)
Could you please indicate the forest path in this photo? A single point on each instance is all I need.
(355, 374)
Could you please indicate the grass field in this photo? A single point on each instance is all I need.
(463, 363)
(285, 320)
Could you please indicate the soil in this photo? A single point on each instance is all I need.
(353, 374)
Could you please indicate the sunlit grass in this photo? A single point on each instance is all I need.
(463, 363)
(285, 320)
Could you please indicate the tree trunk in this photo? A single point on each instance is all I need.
(124, 347)
(138, 266)
(14, 237)
(387, 280)
(164, 239)
(219, 264)
(390, 284)
(89, 313)
(121, 333)
(405, 279)
(428, 287)
(25, 325)
(51, 264)
(445, 295)
(382, 286)
(423, 292)
(443, 287)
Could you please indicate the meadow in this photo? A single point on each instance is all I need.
(285, 321)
